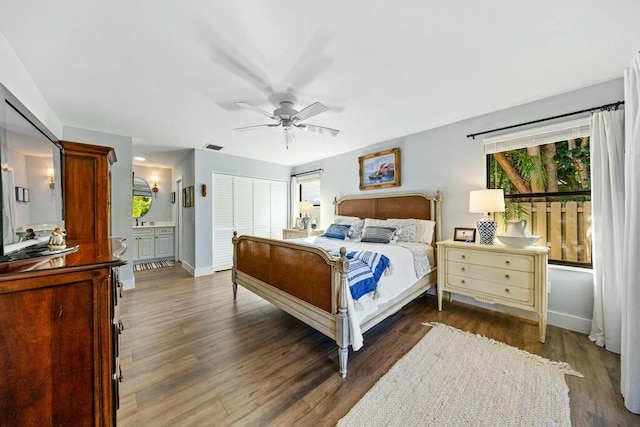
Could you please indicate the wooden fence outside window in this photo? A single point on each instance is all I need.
(565, 227)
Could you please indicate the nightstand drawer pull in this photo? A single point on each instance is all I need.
(463, 257)
(507, 262)
(462, 281)
(506, 276)
(462, 269)
(506, 290)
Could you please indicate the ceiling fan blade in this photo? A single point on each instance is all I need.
(269, 125)
(310, 111)
(255, 109)
(319, 129)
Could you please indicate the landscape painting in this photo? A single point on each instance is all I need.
(380, 170)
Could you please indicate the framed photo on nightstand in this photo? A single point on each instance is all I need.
(464, 234)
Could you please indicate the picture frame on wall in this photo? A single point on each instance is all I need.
(380, 170)
(192, 201)
(185, 198)
(464, 234)
(172, 197)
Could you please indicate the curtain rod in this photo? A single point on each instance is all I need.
(308, 172)
(613, 105)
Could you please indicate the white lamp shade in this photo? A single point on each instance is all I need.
(483, 201)
(306, 207)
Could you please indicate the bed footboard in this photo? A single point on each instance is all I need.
(304, 281)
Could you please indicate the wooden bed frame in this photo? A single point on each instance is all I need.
(311, 285)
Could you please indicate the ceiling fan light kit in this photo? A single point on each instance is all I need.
(289, 118)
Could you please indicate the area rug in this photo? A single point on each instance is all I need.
(152, 265)
(455, 378)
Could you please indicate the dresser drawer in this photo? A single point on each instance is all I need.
(492, 259)
(489, 291)
(521, 279)
(164, 230)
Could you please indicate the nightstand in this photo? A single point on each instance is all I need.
(294, 233)
(496, 274)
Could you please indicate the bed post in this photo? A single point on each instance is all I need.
(234, 240)
(342, 317)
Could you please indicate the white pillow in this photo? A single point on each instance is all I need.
(424, 233)
(424, 230)
(343, 219)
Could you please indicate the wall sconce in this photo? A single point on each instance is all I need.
(155, 186)
(50, 175)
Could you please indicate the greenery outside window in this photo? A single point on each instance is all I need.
(545, 175)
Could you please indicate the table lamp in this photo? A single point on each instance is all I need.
(305, 209)
(486, 201)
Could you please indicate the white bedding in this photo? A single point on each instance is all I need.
(403, 275)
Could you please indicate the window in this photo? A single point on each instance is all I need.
(545, 175)
(308, 190)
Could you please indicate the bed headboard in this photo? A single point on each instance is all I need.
(385, 206)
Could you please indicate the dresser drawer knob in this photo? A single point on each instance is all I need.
(463, 257)
(506, 290)
(462, 269)
(507, 262)
(506, 276)
(462, 281)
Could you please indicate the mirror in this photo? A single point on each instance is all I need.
(141, 197)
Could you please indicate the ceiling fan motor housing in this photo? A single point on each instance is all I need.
(285, 112)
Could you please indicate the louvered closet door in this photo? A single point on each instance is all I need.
(222, 222)
(262, 208)
(279, 204)
(243, 205)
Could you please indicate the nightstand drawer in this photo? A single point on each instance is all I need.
(521, 279)
(485, 291)
(492, 259)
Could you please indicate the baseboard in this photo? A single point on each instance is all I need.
(128, 283)
(567, 321)
(204, 271)
(561, 320)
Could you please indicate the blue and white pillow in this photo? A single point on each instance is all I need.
(337, 231)
(373, 234)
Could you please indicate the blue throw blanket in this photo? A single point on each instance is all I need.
(365, 269)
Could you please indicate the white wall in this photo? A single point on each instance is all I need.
(161, 207)
(16, 78)
(445, 158)
(196, 169)
(121, 187)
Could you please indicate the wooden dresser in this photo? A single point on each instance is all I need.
(496, 274)
(59, 340)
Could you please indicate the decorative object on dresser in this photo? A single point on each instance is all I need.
(318, 293)
(380, 170)
(464, 234)
(516, 235)
(486, 201)
(514, 277)
(471, 380)
(294, 233)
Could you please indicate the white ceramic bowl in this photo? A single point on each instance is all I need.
(517, 241)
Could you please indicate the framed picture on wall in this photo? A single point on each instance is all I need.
(185, 198)
(192, 201)
(172, 197)
(380, 170)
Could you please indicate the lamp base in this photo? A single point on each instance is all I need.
(305, 222)
(487, 230)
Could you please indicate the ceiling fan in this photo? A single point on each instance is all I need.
(289, 118)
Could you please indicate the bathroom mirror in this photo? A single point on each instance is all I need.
(141, 197)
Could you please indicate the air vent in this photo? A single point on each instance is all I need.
(213, 147)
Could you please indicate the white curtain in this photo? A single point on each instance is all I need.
(607, 204)
(630, 357)
(294, 198)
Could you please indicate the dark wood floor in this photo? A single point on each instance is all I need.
(191, 356)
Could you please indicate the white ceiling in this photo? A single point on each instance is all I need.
(168, 72)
